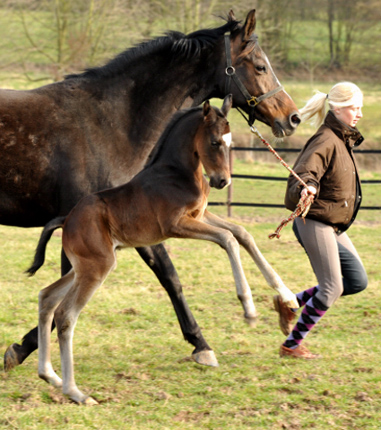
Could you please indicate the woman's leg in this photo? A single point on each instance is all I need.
(355, 279)
(319, 241)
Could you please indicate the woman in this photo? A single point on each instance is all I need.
(327, 166)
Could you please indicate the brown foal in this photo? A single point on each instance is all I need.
(167, 199)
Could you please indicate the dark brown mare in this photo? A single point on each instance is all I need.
(95, 130)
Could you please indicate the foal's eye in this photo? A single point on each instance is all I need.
(215, 143)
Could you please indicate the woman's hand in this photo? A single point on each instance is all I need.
(308, 190)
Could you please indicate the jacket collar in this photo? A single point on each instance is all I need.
(349, 135)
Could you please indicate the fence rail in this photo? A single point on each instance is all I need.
(230, 203)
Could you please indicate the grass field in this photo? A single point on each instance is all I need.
(130, 355)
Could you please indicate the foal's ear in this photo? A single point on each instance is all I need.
(209, 113)
(249, 26)
(227, 104)
(231, 16)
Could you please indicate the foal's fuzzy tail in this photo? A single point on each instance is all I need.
(39, 256)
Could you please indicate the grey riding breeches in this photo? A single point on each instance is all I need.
(334, 259)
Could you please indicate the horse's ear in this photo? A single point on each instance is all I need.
(227, 104)
(249, 26)
(206, 108)
(231, 16)
(210, 115)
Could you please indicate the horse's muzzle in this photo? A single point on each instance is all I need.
(286, 128)
(219, 182)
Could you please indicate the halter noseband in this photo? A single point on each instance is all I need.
(252, 101)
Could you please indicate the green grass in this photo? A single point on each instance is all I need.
(129, 352)
(130, 355)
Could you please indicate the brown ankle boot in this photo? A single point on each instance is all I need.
(299, 352)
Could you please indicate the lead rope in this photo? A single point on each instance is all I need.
(305, 201)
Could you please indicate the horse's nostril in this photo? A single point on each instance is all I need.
(295, 119)
(223, 183)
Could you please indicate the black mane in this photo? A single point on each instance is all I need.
(179, 44)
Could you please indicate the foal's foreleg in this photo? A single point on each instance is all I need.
(49, 299)
(159, 262)
(245, 239)
(193, 229)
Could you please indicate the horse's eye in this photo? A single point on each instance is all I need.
(261, 69)
(215, 143)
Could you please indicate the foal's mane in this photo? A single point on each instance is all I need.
(176, 118)
(178, 44)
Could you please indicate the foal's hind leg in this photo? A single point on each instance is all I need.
(159, 262)
(49, 299)
(89, 276)
(16, 353)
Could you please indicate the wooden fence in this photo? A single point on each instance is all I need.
(230, 203)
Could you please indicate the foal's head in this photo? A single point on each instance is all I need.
(213, 146)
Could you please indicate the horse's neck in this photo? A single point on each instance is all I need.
(179, 148)
(155, 94)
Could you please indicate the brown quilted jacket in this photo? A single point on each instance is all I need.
(327, 162)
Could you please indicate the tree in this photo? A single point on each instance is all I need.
(67, 33)
(189, 15)
(347, 20)
(276, 20)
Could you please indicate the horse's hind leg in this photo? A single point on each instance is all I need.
(89, 276)
(49, 299)
(16, 353)
(159, 262)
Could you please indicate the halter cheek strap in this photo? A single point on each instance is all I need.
(252, 101)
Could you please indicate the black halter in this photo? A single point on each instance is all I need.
(252, 101)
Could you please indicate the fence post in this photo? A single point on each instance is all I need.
(230, 187)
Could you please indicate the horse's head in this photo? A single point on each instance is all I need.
(252, 82)
(213, 146)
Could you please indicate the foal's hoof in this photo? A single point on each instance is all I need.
(252, 322)
(207, 358)
(10, 358)
(89, 401)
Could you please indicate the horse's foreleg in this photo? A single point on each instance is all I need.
(16, 353)
(195, 229)
(245, 239)
(157, 259)
(243, 290)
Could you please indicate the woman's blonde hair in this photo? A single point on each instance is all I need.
(341, 95)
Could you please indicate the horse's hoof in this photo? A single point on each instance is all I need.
(10, 358)
(292, 304)
(207, 358)
(252, 322)
(89, 401)
(290, 300)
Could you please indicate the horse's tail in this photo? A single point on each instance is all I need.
(39, 256)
